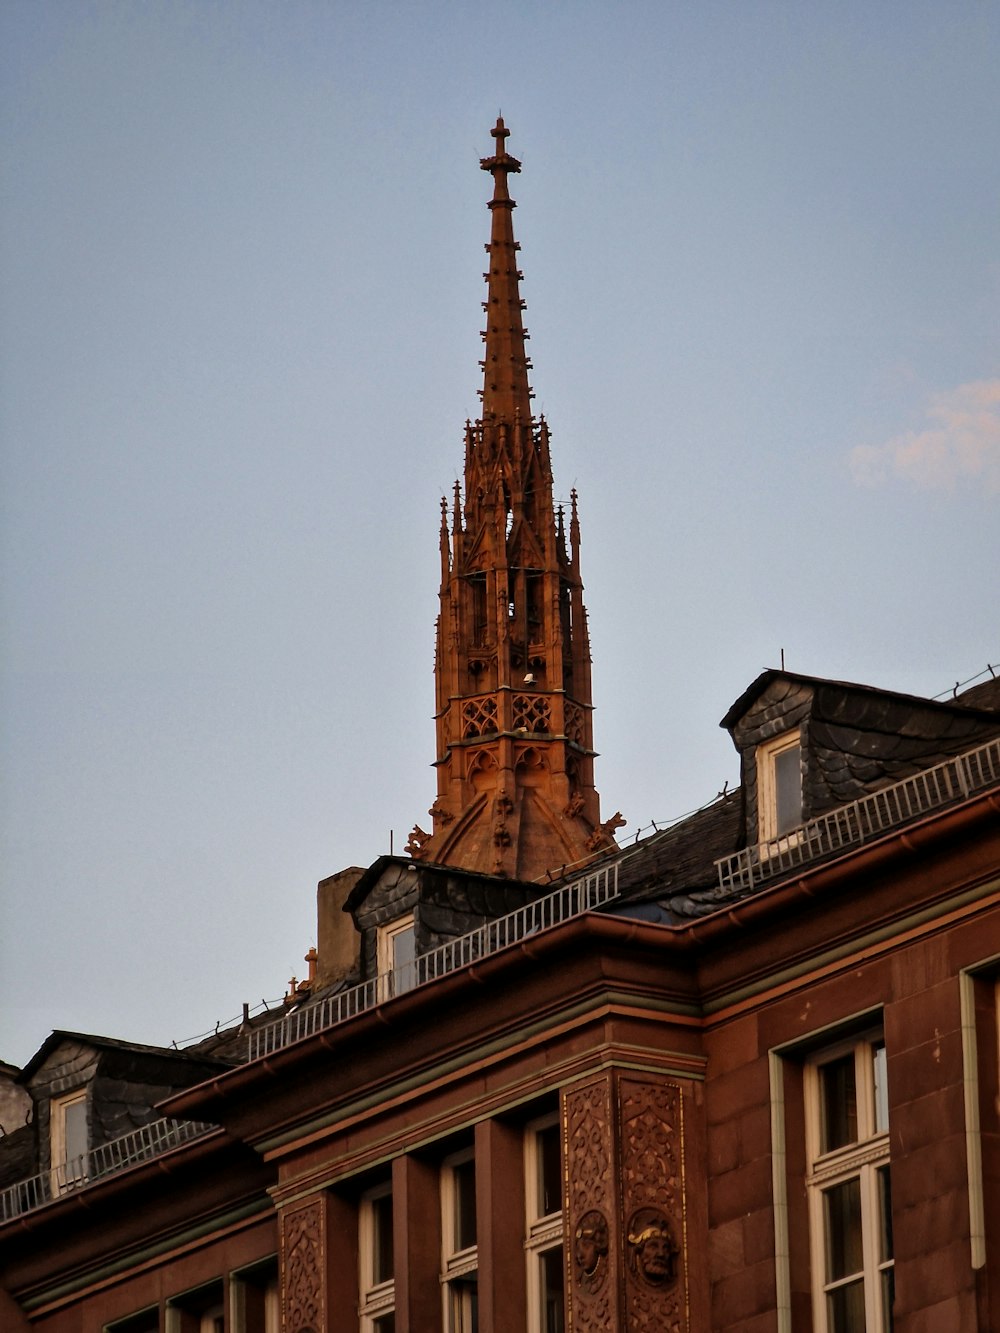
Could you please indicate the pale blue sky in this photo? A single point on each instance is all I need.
(241, 251)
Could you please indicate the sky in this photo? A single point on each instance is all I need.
(240, 282)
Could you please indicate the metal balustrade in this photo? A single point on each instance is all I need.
(158, 1137)
(141, 1145)
(866, 818)
(583, 895)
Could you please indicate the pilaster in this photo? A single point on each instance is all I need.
(627, 1254)
(318, 1244)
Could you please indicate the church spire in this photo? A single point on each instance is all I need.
(505, 365)
(515, 753)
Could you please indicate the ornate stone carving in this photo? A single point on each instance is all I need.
(417, 839)
(440, 813)
(574, 806)
(479, 716)
(652, 1249)
(653, 1203)
(590, 1250)
(590, 1167)
(302, 1267)
(532, 713)
(604, 834)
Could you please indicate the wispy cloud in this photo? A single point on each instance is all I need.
(960, 445)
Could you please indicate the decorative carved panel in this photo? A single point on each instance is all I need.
(652, 1143)
(303, 1263)
(479, 716)
(593, 1239)
(531, 713)
(626, 1260)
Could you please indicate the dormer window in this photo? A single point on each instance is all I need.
(396, 956)
(779, 786)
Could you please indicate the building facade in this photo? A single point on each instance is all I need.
(742, 1075)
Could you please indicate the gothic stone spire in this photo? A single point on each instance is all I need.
(505, 365)
(515, 750)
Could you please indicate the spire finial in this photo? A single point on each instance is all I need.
(500, 164)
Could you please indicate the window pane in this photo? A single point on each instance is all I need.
(884, 1215)
(839, 1103)
(382, 1238)
(788, 789)
(553, 1320)
(881, 1088)
(403, 956)
(75, 1128)
(549, 1171)
(888, 1295)
(842, 1206)
(385, 1323)
(463, 1305)
(464, 1176)
(845, 1309)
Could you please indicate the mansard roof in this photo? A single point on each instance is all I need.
(858, 741)
(869, 705)
(119, 1051)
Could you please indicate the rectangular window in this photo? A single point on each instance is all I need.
(375, 1257)
(198, 1311)
(460, 1255)
(396, 957)
(254, 1299)
(69, 1140)
(847, 1181)
(543, 1193)
(779, 786)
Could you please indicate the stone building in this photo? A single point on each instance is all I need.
(740, 1075)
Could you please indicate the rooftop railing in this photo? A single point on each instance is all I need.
(583, 895)
(141, 1145)
(158, 1137)
(864, 819)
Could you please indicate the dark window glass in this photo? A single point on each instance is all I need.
(843, 1230)
(552, 1291)
(839, 1103)
(888, 1296)
(549, 1171)
(382, 1238)
(464, 1305)
(846, 1309)
(464, 1175)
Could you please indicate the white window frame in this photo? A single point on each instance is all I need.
(393, 981)
(66, 1175)
(543, 1232)
(861, 1160)
(457, 1265)
(376, 1298)
(767, 754)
